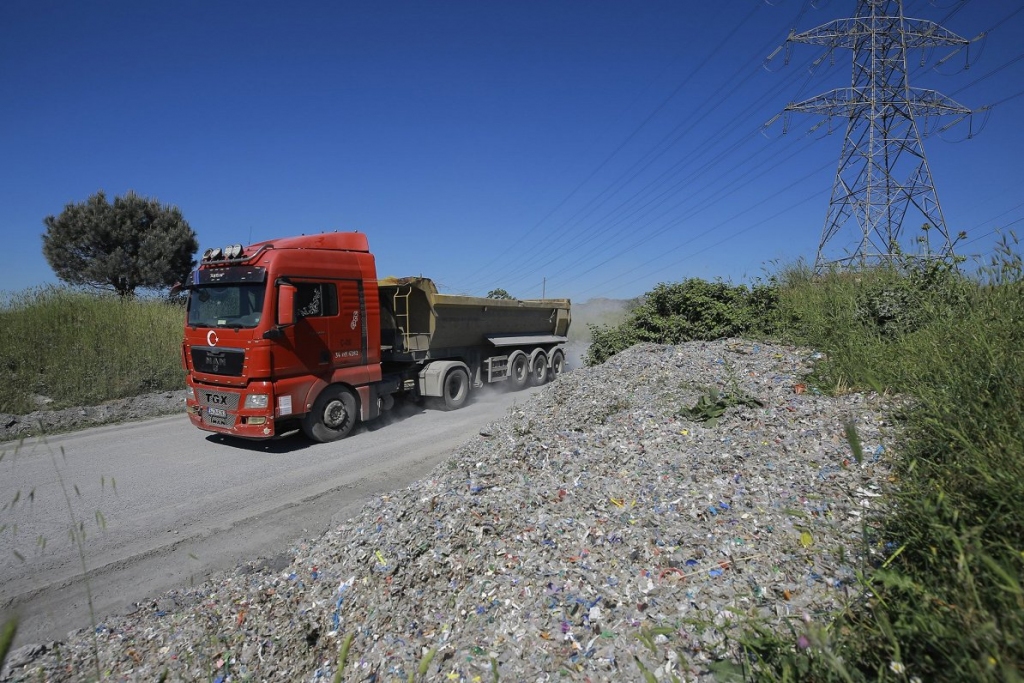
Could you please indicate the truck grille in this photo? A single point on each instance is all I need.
(217, 407)
(218, 399)
(218, 361)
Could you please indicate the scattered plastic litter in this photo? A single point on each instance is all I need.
(592, 527)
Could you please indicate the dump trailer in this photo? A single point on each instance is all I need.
(300, 333)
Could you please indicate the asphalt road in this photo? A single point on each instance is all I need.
(161, 505)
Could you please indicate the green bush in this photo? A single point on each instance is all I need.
(691, 310)
(901, 300)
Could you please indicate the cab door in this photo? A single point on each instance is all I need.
(348, 336)
(316, 313)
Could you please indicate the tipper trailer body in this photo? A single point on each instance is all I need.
(299, 332)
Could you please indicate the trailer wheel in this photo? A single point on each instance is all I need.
(519, 370)
(456, 389)
(333, 416)
(557, 365)
(539, 368)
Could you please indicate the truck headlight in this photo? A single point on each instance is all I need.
(190, 393)
(257, 401)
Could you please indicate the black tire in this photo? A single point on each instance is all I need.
(333, 416)
(556, 366)
(519, 371)
(539, 369)
(456, 388)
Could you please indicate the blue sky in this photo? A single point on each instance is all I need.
(572, 148)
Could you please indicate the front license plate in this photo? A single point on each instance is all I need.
(216, 412)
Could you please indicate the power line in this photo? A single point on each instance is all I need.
(630, 206)
(697, 252)
(626, 141)
(723, 191)
(590, 231)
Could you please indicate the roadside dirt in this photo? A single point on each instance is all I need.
(44, 422)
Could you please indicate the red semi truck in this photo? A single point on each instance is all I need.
(299, 332)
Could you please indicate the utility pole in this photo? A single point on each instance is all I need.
(883, 172)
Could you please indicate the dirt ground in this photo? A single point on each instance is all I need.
(40, 422)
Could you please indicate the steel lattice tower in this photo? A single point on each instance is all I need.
(883, 171)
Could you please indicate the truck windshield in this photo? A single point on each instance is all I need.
(227, 305)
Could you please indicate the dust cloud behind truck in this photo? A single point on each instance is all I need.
(300, 333)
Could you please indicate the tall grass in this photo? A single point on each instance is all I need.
(77, 348)
(948, 605)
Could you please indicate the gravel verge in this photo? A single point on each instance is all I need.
(595, 532)
(42, 422)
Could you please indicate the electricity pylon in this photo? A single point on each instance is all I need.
(883, 170)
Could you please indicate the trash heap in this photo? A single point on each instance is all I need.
(630, 519)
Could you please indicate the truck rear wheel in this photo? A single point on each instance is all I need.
(456, 388)
(519, 370)
(333, 416)
(539, 368)
(557, 365)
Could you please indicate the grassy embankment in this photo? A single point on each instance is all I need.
(946, 599)
(943, 593)
(75, 348)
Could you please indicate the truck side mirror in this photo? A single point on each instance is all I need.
(286, 304)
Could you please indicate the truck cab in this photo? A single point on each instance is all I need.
(252, 371)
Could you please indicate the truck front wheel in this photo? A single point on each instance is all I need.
(456, 389)
(333, 416)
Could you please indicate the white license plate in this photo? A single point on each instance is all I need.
(216, 412)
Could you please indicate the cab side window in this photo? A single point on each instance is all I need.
(316, 300)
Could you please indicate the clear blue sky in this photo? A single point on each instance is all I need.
(582, 148)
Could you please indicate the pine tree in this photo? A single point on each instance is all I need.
(130, 243)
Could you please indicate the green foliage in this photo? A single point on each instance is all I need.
(902, 299)
(343, 657)
(76, 348)
(691, 310)
(130, 243)
(499, 294)
(947, 604)
(712, 405)
(7, 633)
(424, 666)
